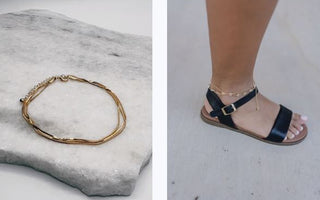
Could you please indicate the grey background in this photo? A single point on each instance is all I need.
(127, 16)
(216, 164)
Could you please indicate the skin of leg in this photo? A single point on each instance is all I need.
(236, 29)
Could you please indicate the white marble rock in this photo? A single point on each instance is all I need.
(37, 44)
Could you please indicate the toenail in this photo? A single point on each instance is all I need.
(292, 136)
(297, 132)
(303, 117)
(301, 128)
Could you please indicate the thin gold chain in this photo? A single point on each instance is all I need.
(121, 115)
(219, 91)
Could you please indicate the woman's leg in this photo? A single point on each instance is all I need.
(236, 28)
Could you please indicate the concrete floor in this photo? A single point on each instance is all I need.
(213, 163)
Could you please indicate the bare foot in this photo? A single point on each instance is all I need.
(261, 121)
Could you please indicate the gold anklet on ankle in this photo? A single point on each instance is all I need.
(219, 91)
(64, 78)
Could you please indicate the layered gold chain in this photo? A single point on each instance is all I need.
(219, 91)
(36, 90)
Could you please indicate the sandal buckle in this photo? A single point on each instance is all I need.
(231, 106)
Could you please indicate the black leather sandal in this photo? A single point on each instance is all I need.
(221, 116)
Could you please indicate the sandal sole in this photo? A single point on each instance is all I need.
(214, 123)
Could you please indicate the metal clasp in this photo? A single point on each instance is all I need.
(228, 113)
(63, 78)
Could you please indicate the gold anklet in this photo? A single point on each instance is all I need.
(64, 78)
(219, 91)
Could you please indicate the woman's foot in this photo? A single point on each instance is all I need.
(260, 121)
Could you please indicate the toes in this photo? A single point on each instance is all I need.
(304, 118)
(290, 135)
(297, 126)
(293, 130)
(300, 118)
(296, 116)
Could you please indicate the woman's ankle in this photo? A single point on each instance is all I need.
(232, 86)
(236, 88)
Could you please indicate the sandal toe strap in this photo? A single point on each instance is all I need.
(281, 125)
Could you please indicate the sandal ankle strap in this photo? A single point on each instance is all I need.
(225, 110)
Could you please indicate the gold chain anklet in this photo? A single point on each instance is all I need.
(64, 78)
(219, 91)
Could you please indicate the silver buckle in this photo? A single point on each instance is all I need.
(225, 112)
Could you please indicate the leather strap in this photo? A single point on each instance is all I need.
(227, 110)
(223, 112)
(281, 125)
(217, 104)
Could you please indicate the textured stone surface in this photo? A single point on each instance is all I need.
(36, 44)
